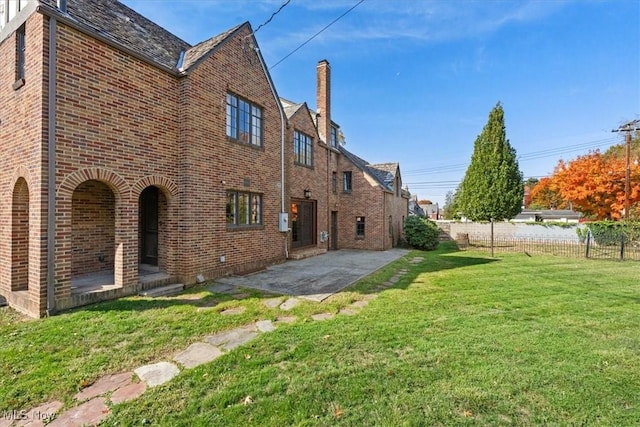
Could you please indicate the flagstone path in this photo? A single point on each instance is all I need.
(94, 401)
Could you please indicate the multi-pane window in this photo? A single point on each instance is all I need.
(20, 52)
(303, 148)
(360, 227)
(334, 137)
(243, 208)
(334, 182)
(244, 120)
(346, 182)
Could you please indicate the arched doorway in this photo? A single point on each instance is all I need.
(20, 236)
(148, 226)
(152, 220)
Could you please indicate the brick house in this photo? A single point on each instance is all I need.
(165, 157)
(358, 205)
(132, 159)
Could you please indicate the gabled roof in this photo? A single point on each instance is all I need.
(387, 172)
(115, 21)
(290, 107)
(121, 25)
(199, 51)
(384, 173)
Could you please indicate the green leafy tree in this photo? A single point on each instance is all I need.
(450, 209)
(492, 188)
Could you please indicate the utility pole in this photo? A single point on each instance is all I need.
(628, 128)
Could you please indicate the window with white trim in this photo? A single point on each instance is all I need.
(244, 121)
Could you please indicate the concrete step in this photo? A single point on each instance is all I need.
(163, 291)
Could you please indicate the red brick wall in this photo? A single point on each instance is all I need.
(366, 199)
(118, 123)
(21, 136)
(93, 228)
(211, 164)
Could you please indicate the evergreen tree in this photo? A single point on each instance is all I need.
(492, 188)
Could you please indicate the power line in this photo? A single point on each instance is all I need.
(272, 16)
(316, 34)
(551, 152)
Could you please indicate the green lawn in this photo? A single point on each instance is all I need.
(461, 339)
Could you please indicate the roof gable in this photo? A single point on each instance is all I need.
(380, 173)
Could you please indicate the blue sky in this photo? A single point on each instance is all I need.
(413, 81)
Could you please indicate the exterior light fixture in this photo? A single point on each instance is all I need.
(307, 194)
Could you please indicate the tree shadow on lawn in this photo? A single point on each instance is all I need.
(446, 257)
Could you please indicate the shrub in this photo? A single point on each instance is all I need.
(612, 232)
(421, 233)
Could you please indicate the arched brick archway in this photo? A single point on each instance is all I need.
(156, 222)
(94, 201)
(20, 236)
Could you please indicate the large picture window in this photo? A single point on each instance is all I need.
(244, 121)
(243, 208)
(303, 148)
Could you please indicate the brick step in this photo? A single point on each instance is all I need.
(163, 291)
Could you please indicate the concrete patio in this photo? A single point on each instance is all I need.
(318, 277)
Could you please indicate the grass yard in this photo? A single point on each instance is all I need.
(462, 339)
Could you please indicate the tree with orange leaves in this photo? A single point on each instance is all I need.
(545, 195)
(594, 184)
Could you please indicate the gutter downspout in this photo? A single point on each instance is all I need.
(282, 148)
(51, 173)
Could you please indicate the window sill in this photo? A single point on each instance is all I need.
(18, 84)
(245, 144)
(245, 227)
(303, 165)
(359, 237)
(346, 191)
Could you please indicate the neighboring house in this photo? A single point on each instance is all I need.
(132, 159)
(431, 210)
(548, 215)
(415, 208)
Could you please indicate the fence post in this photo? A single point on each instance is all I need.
(621, 246)
(588, 243)
(492, 256)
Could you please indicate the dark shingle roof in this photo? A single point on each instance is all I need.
(381, 172)
(202, 49)
(123, 26)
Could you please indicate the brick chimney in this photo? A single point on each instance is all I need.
(323, 100)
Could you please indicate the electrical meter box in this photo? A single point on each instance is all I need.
(284, 222)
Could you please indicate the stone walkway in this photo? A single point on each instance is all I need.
(94, 401)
